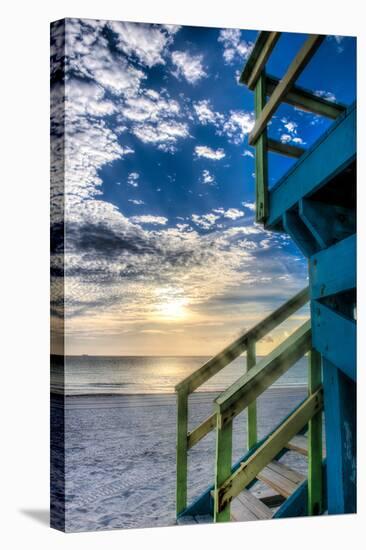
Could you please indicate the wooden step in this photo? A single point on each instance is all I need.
(246, 507)
(281, 478)
(299, 443)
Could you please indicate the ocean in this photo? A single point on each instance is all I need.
(100, 375)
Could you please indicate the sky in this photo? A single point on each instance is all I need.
(162, 252)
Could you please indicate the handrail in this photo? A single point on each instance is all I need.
(236, 348)
(253, 383)
(246, 342)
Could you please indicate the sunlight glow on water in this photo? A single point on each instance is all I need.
(85, 375)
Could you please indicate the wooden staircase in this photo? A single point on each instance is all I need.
(237, 494)
(314, 203)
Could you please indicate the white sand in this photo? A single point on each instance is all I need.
(120, 455)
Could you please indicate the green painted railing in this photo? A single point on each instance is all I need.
(240, 395)
(278, 91)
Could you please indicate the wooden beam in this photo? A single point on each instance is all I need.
(299, 233)
(325, 280)
(315, 440)
(328, 223)
(307, 101)
(293, 72)
(285, 148)
(262, 58)
(261, 156)
(201, 431)
(252, 384)
(249, 469)
(231, 352)
(335, 337)
(223, 466)
(182, 457)
(261, 40)
(252, 408)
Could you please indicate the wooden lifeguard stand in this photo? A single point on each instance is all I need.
(315, 204)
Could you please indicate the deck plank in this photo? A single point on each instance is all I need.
(299, 444)
(246, 507)
(281, 478)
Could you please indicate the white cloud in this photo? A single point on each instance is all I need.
(150, 106)
(207, 177)
(149, 219)
(327, 95)
(290, 136)
(145, 41)
(133, 178)
(136, 202)
(88, 55)
(208, 153)
(235, 49)
(248, 153)
(285, 138)
(165, 134)
(188, 66)
(233, 214)
(238, 125)
(206, 114)
(206, 221)
(249, 205)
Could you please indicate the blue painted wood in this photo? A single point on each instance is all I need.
(333, 270)
(332, 153)
(296, 505)
(299, 233)
(340, 428)
(334, 337)
(328, 223)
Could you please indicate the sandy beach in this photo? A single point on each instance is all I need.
(120, 455)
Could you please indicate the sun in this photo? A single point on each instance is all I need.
(170, 305)
(174, 309)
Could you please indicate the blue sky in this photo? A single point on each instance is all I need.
(162, 252)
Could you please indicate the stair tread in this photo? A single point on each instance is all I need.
(299, 443)
(281, 478)
(246, 507)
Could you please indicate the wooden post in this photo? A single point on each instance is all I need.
(340, 433)
(182, 449)
(252, 408)
(224, 437)
(261, 155)
(315, 441)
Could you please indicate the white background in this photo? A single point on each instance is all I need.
(24, 197)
